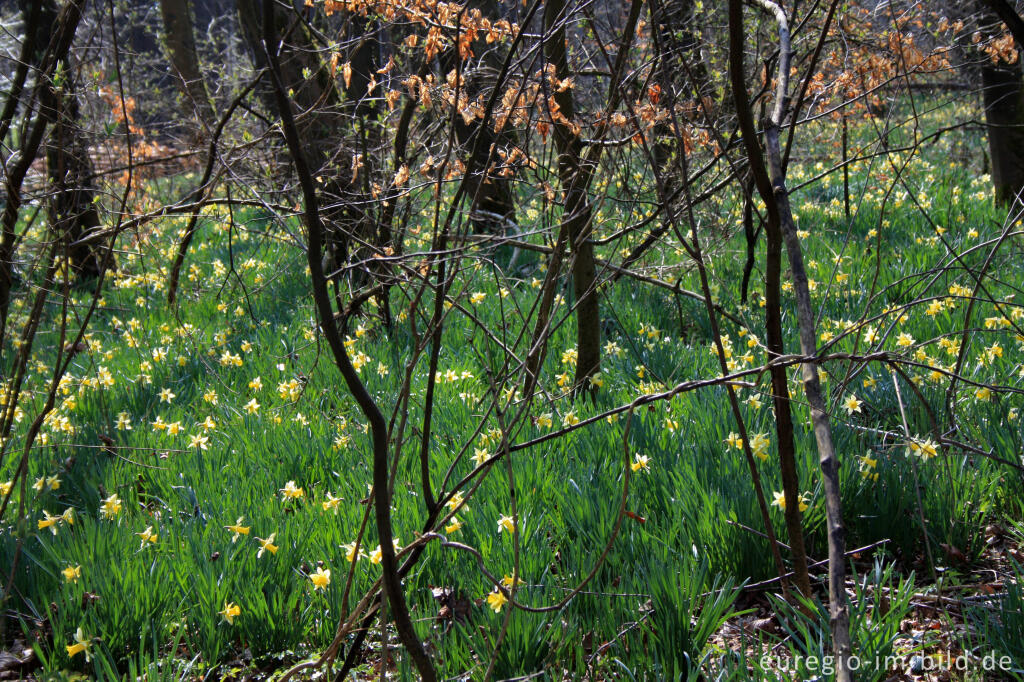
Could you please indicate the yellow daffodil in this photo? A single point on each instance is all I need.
(320, 579)
(641, 463)
(505, 523)
(266, 545)
(456, 500)
(81, 645)
(852, 404)
(148, 536)
(111, 507)
(331, 503)
(238, 529)
(925, 449)
(780, 501)
(352, 553)
(507, 581)
(291, 492)
(759, 445)
(49, 521)
(454, 526)
(230, 611)
(496, 600)
(72, 574)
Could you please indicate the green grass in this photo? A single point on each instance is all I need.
(159, 602)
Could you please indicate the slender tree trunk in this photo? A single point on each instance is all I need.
(771, 184)
(574, 174)
(773, 305)
(71, 209)
(57, 39)
(1003, 94)
(492, 204)
(179, 41)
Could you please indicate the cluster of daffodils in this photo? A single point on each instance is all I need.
(759, 444)
(926, 449)
(779, 500)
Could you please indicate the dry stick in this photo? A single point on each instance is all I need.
(514, 508)
(838, 610)
(391, 583)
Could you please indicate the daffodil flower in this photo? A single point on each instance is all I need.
(496, 600)
(321, 579)
(72, 574)
(111, 507)
(266, 545)
(81, 645)
(351, 553)
(331, 503)
(230, 611)
(852, 404)
(290, 491)
(49, 521)
(759, 446)
(507, 581)
(238, 529)
(780, 501)
(641, 463)
(507, 524)
(456, 500)
(148, 536)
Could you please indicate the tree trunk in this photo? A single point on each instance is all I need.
(492, 204)
(72, 211)
(340, 131)
(180, 44)
(574, 174)
(779, 228)
(1003, 93)
(57, 39)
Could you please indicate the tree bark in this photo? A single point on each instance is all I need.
(574, 174)
(773, 303)
(179, 41)
(1003, 95)
(771, 184)
(58, 36)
